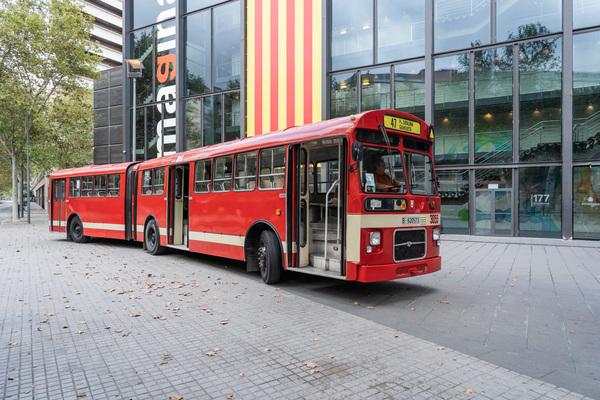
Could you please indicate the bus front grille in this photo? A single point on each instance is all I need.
(409, 244)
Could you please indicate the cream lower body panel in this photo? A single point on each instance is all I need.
(356, 222)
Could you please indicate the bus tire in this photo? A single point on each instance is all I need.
(152, 238)
(76, 231)
(269, 257)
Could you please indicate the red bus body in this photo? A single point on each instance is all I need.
(226, 223)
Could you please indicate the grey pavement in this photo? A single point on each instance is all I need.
(106, 320)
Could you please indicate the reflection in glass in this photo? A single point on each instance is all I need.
(146, 12)
(153, 118)
(143, 50)
(540, 100)
(212, 131)
(409, 87)
(232, 116)
(586, 96)
(192, 5)
(460, 24)
(522, 19)
(193, 123)
(344, 99)
(540, 199)
(197, 53)
(454, 190)
(227, 46)
(493, 201)
(493, 105)
(140, 136)
(586, 202)
(400, 29)
(451, 112)
(351, 33)
(585, 13)
(376, 89)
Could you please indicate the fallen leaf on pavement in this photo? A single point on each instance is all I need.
(176, 397)
(469, 391)
(224, 322)
(160, 317)
(444, 301)
(135, 314)
(213, 352)
(166, 358)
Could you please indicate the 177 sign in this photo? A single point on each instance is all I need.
(540, 199)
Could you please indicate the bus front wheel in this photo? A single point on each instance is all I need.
(152, 238)
(76, 231)
(269, 257)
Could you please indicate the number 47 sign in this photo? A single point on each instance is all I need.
(540, 199)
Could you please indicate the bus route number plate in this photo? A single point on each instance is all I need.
(401, 124)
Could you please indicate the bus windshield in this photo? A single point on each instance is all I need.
(382, 171)
(420, 173)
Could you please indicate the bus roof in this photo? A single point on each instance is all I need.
(91, 170)
(320, 130)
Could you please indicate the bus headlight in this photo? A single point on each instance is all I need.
(436, 235)
(375, 238)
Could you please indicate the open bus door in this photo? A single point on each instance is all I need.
(59, 209)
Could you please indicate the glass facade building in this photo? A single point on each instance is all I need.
(511, 86)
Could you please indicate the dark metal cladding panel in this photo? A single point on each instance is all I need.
(101, 118)
(116, 96)
(116, 115)
(116, 153)
(101, 155)
(116, 134)
(101, 136)
(100, 98)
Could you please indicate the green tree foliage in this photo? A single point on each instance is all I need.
(44, 60)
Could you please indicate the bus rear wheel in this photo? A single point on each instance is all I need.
(269, 257)
(76, 231)
(152, 239)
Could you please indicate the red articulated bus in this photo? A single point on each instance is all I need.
(352, 198)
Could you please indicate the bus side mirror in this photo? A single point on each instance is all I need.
(357, 151)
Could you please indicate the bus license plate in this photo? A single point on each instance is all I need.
(401, 124)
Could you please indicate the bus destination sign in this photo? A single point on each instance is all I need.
(401, 124)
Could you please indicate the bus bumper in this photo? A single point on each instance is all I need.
(388, 272)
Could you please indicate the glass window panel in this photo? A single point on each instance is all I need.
(493, 105)
(586, 96)
(351, 33)
(140, 134)
(74, 187)
(493, 178)
(540, 199)
(586, 202)
(153, 118)
(192, 5)
(227, 46)
(400, 29)
(146, 12)
(193, 123)
(212, 131)
(158, 184)
(198, 53)
(451, 111)
(272, 168)
(147, 182)
(344, 98)
(523, 19)
(143, 50)
(245, 171)
(222, 181)
(454, 190)
(540, 100)
(100, 185)
(232, 116)
(381, 171)
(420, 174)
(586, 13)
(460, 24)
(376, 89)
(114, 182)
(202, 176)
(409, 87)
(86, 186)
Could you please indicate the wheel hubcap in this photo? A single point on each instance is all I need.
(77, 230)
(152, 237)
(262, 258)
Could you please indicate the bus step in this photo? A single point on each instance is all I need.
(325, 264)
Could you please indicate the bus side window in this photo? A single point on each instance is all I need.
(245, 171)
(75, 187)
(272, 168)
(222, 179)
(147, 182)
(159, 181)
(202, 176)
(114, 181)
(100, 185)
(86, 186)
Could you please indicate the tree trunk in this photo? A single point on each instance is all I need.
(14, 172)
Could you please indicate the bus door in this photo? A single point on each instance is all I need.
(178, 205)
(59, 210)
(320, 207)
